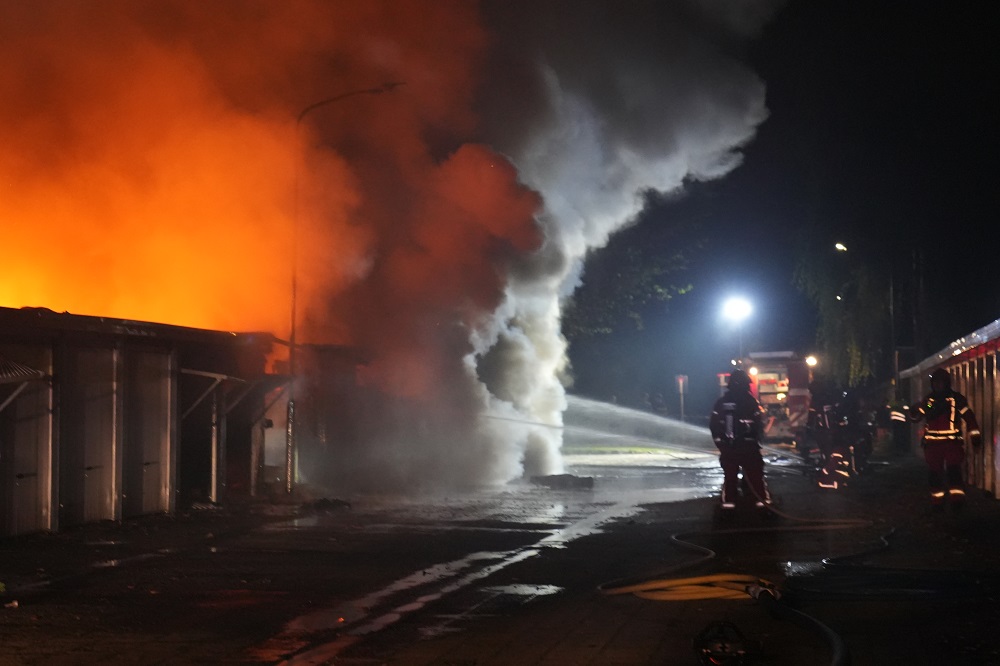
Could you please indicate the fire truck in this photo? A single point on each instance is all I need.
(780, 382)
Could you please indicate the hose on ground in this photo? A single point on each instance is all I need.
(841, 655)
(715, 586)
(739, 586)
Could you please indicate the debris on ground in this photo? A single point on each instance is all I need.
(564, 481)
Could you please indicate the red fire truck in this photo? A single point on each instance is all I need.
(780, 381)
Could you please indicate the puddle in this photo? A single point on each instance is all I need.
(142, 557)
(803, 568)
(495, 600)
(358, 609)
(524, 590)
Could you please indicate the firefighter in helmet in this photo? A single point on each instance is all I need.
(820, 421)
(838, 459)
(944, 410)
(850, 442)
(736, 425)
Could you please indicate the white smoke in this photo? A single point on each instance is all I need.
(631, 97)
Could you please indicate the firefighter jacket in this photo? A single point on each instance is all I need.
(942, 412)
(736, 417)
(822, 417)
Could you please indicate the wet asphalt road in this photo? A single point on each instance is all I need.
(631, 458)
(310, 587)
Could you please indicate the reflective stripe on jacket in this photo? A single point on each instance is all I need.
(942, 413)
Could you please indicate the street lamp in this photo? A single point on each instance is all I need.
(292, 343)
(737, 309)
(840, 247)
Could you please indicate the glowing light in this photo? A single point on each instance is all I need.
(780, 396)
(736, 309)
(753, 371)
(811, 361)
(840, 247)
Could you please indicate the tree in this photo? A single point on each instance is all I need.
(643, 264)
(851, 296)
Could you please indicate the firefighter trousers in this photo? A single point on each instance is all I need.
(745, 455)
(944, 459)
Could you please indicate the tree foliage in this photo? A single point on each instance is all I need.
(851, 296)
(643, 264)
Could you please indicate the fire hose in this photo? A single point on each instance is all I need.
(734, 587)
(840, 579)
(718, 642)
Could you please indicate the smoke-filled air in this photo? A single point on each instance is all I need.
(433, 172)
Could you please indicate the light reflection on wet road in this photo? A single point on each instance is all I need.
(634, 458)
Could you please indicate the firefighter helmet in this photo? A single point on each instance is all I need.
(942, 377)
(739, 380)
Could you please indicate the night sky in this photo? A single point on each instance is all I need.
(882, 134)
(884, 128)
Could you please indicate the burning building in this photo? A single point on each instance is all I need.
(104, 419)
(422, 179)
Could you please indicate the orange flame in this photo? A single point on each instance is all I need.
(152, 168)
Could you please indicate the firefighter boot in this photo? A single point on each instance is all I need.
(938, 492)
(956, 487)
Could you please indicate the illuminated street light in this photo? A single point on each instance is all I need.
(811, 361)
(737, 309)
(840, 247)
(292, 342)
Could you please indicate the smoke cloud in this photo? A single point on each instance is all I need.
(153, 168)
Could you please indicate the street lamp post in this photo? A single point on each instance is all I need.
(290, 426)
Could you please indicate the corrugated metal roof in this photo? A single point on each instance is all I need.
(28, 321)
(985, 334)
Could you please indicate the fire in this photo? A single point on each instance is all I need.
(153, 166)
(153, 169)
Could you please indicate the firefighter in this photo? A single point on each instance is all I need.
(944, 448)
(736, 425)
(838, 459)
(851, 442)
(820, 421)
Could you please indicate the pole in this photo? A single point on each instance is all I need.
(681, 389)
(290, 426)
(682, 405)
(892, 336)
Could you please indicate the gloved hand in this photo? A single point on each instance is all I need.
(977, 439)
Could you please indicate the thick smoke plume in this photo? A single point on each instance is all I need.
(153, 168)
